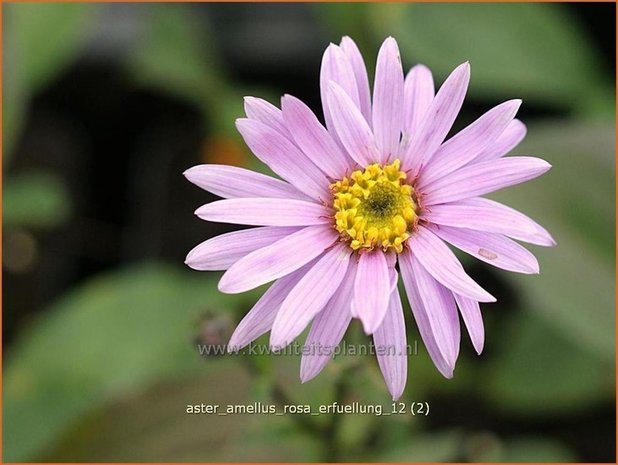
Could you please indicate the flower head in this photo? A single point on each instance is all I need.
(374, 194)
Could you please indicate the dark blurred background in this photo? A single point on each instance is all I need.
(105, 105)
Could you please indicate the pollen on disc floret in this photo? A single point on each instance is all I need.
(375, 207)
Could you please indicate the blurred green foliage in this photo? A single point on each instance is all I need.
(39, 42)
(171, 55)
(113, 335)
(34, 200)
(176, 55)
(105, 373)
(47, 38)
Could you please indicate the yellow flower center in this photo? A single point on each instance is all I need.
(374, 207)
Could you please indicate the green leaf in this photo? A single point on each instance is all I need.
(14, 103)
(45, 38)
(111, 336)
(155, 426)
(176, 55)
(41, 40)
(486, 447)
(171, 55)
(539, 372)
(532, 449)
(35, 200)
(426, 447)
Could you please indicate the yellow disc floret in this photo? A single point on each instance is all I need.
(374, 207)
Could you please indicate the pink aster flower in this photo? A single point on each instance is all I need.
(375, 194)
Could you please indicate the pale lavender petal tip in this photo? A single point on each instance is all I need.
(439, 118)
(388, 100)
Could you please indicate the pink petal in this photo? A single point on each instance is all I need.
(309, 296)
(391, 261)
(221, 252)
(438, 119)
(468, 143)
(391, 347)
(336, 67)
(233, 182)
(418, 92)
(260, 318)
(265, 212)
(328, 329)
(388, 100)
(265, 112)
(372, 289)
(471, 313)
(277, 260)
(284, 158)
(507, 141)
(483, 178)
(351, 128)
(490, 216)
(313, 138)
(491, 248)
(442, 312)
(421, 316)
(360, 74)
(441, 263)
